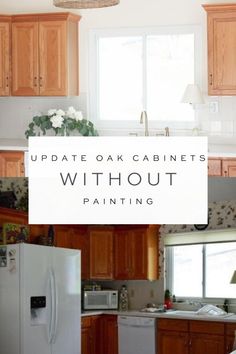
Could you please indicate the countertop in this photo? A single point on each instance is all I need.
(13, 144)
(171, 315)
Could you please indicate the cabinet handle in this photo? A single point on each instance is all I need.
(35, 81)
(7, 81)
(22, 170)
(226, 173)
(190, 342)
(211, 80)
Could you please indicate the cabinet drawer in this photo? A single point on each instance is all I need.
(173, 325)
(206, 327)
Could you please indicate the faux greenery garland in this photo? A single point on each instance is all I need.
(62, 123)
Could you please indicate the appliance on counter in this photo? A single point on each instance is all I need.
(136, 335)
(40, 299)
(100, 300)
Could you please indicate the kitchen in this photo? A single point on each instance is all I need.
(214, 118)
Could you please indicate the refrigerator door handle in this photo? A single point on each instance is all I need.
(52, 296)
(56, 310)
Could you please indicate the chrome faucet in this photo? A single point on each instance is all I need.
(144, 119)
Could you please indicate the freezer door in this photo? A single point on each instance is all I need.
(35, 299)
(67, 295)
(9, 300)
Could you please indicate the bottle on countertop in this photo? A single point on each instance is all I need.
(123, 299)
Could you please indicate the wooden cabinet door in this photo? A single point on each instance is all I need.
(214, 167)
(62, 236)
(4, 58)
(206, 343)
(101, 254)
(229, 342)
(86, 335)
(11, 164)
(52, 58)
(229, 168)
(122, 254)
(172, 342)
(138, 246)
(221, 56)
(25, 71)
(109, 335)
(80, 240)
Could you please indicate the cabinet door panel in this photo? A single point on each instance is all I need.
(207, 344)
(229, 168)
(80, 240)
(110, 335)
(11, 164)
(122, 254)
(4, 58)
(62, 236)
(214, 167)
(25, 59)
(172, 342)
(139, 254)
(53, 59)
(101, 254)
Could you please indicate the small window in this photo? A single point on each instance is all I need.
(132, 71)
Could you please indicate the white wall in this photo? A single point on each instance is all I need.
(15, 113)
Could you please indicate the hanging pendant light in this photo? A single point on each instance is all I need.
(84, 4)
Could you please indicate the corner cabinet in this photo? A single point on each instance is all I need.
(45, 55)
(136, 252)
(221, 25)
(5, 22)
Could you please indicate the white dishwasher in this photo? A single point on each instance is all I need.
(136, 335)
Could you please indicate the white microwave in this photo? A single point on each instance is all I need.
(100, 300)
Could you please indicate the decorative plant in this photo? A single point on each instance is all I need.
(62, 123)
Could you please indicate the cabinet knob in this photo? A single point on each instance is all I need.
(210, 79)
(7, 81)
(22, 169)
(35, 81)
(226, 173)
(40, 81)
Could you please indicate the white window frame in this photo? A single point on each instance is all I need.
(93, 78)
(169, 276)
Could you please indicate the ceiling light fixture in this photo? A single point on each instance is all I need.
(84, 4)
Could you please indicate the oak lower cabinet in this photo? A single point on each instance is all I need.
(45, 54)
(5, 23)
(230, 329)
(190, 337)
(136, 252)
(12, 164)
(90, 335)
(109, 334)
(101, 253)
(221, 27)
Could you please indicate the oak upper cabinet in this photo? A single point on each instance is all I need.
(214, 167)
(101, 253)
(5, 55)
(80, 240)
(221, 49)
(12, 164)
(45, 55)
(136, 252)
(229, 167)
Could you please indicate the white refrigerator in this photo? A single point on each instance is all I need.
(40, 300)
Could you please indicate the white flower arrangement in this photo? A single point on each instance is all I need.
(62, 123)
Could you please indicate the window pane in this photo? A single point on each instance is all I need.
(170, 67)
(120, 78)
(220, 265)
(187, 271)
